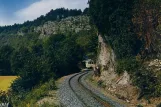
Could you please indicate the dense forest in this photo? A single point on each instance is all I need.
(37, 61)
(132, 29)
(53, 15)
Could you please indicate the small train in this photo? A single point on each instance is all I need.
(89, 63)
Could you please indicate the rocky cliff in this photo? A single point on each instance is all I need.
(70, 24)
(118, 85)
(121, 86)
(106, 59)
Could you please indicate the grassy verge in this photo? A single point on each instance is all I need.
(30, 98)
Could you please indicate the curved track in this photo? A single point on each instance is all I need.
(74, 93)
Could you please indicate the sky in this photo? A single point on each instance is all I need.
(18, 11)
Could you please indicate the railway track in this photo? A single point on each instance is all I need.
(100, 100)
(78, 95)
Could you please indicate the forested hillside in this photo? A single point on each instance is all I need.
(132, 29)
(51, 16)
(37, 52)
(53, 45)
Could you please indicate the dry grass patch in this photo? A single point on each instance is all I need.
(6, 81)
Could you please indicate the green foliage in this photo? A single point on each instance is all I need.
(51, 16)
(147, 82)
(5, 68)
(28, 63)
(86, 11)
(6, 51)
(64, 54)
(88, 42)
(113, 18)
(5, 55)
(49, 105)
(31, 97)
(4, 97)
(130, 65)
(121, 23)
(52, 57)
(139, 105)
(36, 60)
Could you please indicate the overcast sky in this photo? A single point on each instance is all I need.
(18, 11)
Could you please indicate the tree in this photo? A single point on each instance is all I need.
(113, 18)
(146, 20)
(5, 55)
(32, 66)
(86, 11)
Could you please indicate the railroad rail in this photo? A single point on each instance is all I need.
(76, 92)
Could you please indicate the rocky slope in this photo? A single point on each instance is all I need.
(70, 24)
(106, 59)
(120, 86)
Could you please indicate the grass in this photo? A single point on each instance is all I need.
(30, 98)
(6, 81)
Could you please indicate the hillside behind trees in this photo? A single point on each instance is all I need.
(53, 45)
(132, 30)
(37, 59)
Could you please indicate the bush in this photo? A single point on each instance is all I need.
(101, 84)
(144, 79)
(4, 97)
(147, 82)
(31, 97)
(139, 105)
(127, 64)
(49, 105)
(157, 90)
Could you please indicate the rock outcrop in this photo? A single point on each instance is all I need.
(106, 59)
(69, 24)
(117, 85)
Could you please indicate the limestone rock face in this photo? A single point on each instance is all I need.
(69, 24)
(117, 85)
(106, 59)
(125, 79)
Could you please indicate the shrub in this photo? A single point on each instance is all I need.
(24, 98)
(146, 81)
(4, 97)
(139, 105)
(49, 105)
(127, 64)
(101, 84)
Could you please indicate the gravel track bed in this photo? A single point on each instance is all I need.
(66, 95)
(75, 92)
(83, 94)
(98, 93)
